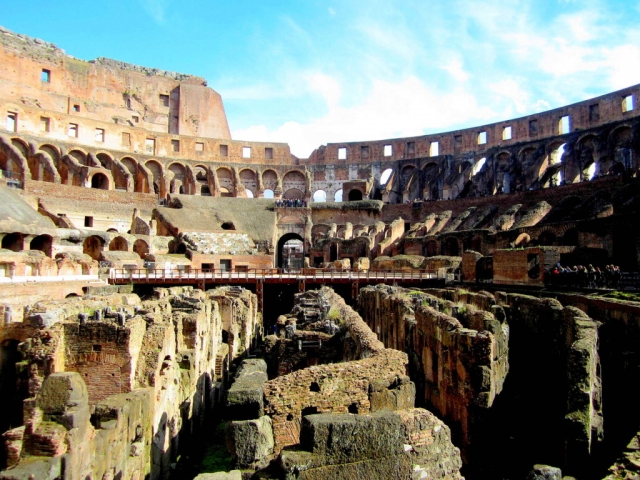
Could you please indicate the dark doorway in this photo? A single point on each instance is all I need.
(355, 195)
(284, 252)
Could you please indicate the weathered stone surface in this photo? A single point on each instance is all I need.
(407, 444)
(352, 438)
(398, 395)
(250, 442)
(245, 398)
(35, 468)
(544, 472)
(232, 475)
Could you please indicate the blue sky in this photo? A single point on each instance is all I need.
(312, 72)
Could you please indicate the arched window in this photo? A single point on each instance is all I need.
(320, 196)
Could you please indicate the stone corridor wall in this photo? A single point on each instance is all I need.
(134, 380)
(458, 354)
(335, 388)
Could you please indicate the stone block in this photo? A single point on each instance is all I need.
(544, 472)
(61, 391)
(398, 395)
(250, 442)
(352, 438)
(245, 398)
(35, 468)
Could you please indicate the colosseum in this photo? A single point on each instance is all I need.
(179, 304)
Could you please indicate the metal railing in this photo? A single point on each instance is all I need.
(270, 274)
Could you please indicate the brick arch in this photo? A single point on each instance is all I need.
(79, 155)
(156, 169)
(119, 244)
(21, 145)
(249, 178)
(225, 181)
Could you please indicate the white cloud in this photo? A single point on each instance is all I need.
(156, 9)
(456, 70)
(390, 110)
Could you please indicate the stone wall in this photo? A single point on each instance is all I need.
(150, 370)
(458, 354)
(335, 388)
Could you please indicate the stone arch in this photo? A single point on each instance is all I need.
(21, 145)
(155, 168)
(547, 238)
(178, 182)
(268, 193)
(11, 159)
(586, 149)
(284, 239)
(621, 148)
(249, 179)
(293, 194)
(319, 196)
(557, 172)
(270, 179)
(100, 181)
(105, 159)
(338, 195)
(201, 177)
(44, 243)
(93, 246)
(294, 180)
(52, 150)
(225, 181)
(451, 247)
(385, 176)
(13, 241)
(119, 244)
(141, 248)
(505, 179)
(80, 156)
(431, 249)
(430, 173)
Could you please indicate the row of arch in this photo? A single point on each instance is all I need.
(102, 170)
(531, 167)
(93, 245)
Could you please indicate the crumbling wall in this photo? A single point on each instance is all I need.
(147, 369)
(335, 388)
(554, 396)
(458, 354)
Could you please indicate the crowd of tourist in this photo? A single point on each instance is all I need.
(291, 203)
(585, 277)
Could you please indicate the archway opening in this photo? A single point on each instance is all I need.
(291, 251)
(118, 244)
(338, 196)
(100, 181)
(93, 246)
(384, 178)
(13, 242)
(320, 196)
(268, 193)
(547, 238)
(450, 247)
(43, 243)
(355, 195)
(141, 248)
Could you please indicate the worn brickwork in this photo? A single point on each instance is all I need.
(459, 353)
(148, 369)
